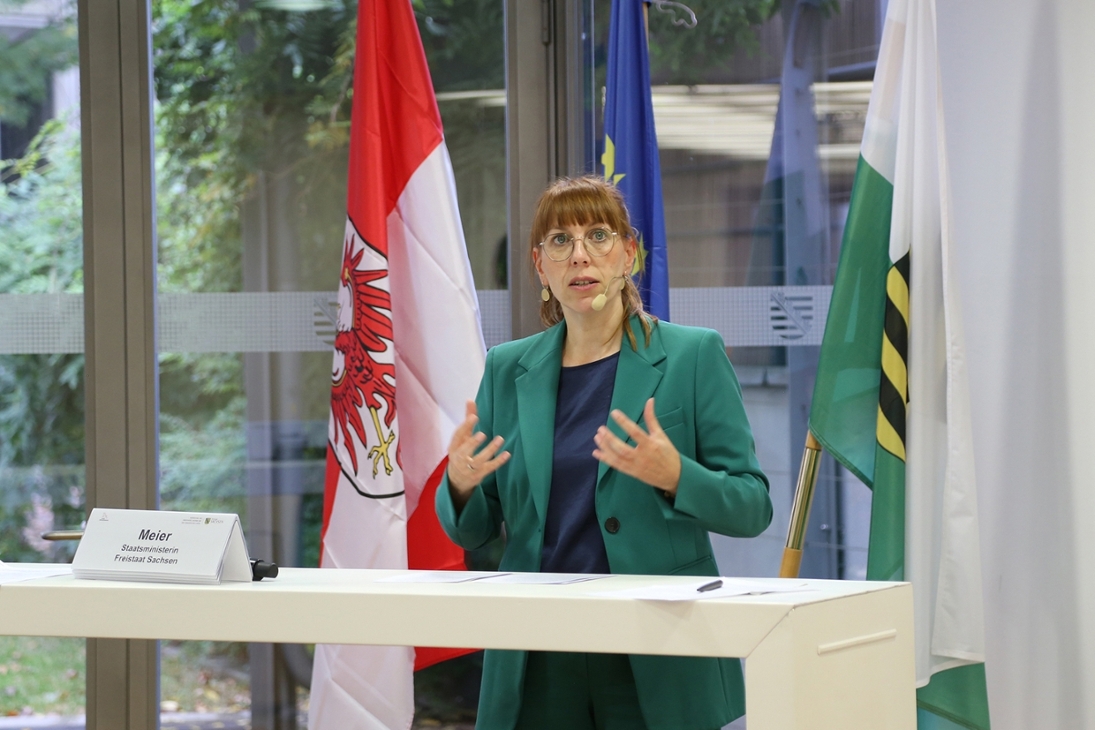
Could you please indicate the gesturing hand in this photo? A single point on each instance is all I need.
(467, 468)
(653, 459)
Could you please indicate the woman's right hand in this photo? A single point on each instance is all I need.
(468, 463)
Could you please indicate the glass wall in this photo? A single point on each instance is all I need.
(42, 474)
(759, 113)
(252, 117)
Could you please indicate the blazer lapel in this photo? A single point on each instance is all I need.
(637, 377)
(537, 390)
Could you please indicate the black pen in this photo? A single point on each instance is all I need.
(712, 586)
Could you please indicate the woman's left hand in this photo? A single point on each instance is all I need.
(653, 459)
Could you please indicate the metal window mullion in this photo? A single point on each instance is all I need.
(573, 53)
(119, 318)
(528, 28)
(546, 116)
(140, 255)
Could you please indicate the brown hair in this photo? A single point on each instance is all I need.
(581, 201)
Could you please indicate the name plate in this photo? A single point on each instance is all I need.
(162, 547)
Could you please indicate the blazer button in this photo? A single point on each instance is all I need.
(612, 525)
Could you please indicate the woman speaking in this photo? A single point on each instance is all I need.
(609, 443)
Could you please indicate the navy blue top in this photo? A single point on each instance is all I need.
(572, 536)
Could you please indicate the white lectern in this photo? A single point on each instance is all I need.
(835, 656)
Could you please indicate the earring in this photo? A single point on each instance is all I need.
(545, 293)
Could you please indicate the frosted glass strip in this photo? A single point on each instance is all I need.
(247, 322)
(494, 312)
(41, 323)
(756, 316)
(304, 321)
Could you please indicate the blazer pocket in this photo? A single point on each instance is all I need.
(668, 420)
(701, 566)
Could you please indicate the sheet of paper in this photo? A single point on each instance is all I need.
(461, 576)
(542, 579)
(437, 576)
(690, 591)
(18, 572)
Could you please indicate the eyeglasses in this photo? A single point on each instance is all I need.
(560, 246)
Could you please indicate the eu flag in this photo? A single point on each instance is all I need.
(630, 156)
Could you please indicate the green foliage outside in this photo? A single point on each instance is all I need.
(252, 111)
(463, 43)
(40, 675)
(43, 675)
(681, 55)
(204, 676)
(41, 396)
(25, 64)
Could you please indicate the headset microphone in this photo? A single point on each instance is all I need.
(601, 299)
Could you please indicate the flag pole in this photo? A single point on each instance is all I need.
(800, 508)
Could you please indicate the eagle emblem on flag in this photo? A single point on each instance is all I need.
(363, 410)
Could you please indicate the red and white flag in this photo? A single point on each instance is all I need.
(408, 354)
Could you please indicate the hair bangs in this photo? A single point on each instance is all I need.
(579, 202)
(579, 208)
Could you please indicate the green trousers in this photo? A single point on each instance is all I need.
(579, 692)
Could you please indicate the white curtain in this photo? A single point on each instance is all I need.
(1019, 98)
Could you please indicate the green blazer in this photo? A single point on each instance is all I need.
(722, 489)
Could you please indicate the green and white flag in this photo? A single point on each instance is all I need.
(891, 400)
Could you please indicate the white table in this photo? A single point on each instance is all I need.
(838, 656)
